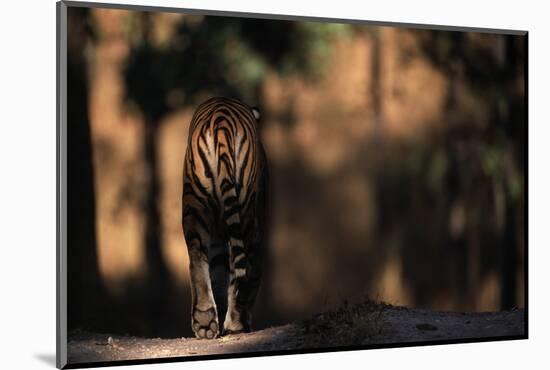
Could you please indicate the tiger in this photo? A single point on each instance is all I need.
(224, 215)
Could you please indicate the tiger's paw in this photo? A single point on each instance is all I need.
(205, 323)
(233, 326)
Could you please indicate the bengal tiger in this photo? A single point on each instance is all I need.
(224, 215)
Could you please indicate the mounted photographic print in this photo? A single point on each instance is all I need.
(235, 184)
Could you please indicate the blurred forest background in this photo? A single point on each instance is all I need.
(397, 157)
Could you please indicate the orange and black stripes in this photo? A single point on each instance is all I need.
(223, 196)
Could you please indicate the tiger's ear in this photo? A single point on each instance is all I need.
(256, 113)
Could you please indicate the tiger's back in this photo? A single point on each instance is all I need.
(224, 196)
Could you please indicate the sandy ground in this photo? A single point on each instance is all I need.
(361, 325)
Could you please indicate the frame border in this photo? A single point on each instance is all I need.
(287, 17)
(61, 184)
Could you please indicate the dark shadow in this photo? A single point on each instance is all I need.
(481, 182)
(86, 293)
(146, 308)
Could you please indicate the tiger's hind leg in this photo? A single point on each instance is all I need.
(218, 260)
(246, 242)
(204, 316)
(243, 289)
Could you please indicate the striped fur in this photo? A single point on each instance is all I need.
(224, 195)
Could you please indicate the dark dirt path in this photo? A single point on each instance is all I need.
(364, 324)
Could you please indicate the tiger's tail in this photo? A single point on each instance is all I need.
(232, 221)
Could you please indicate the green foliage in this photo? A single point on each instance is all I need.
(220, 55)
(312, 55)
